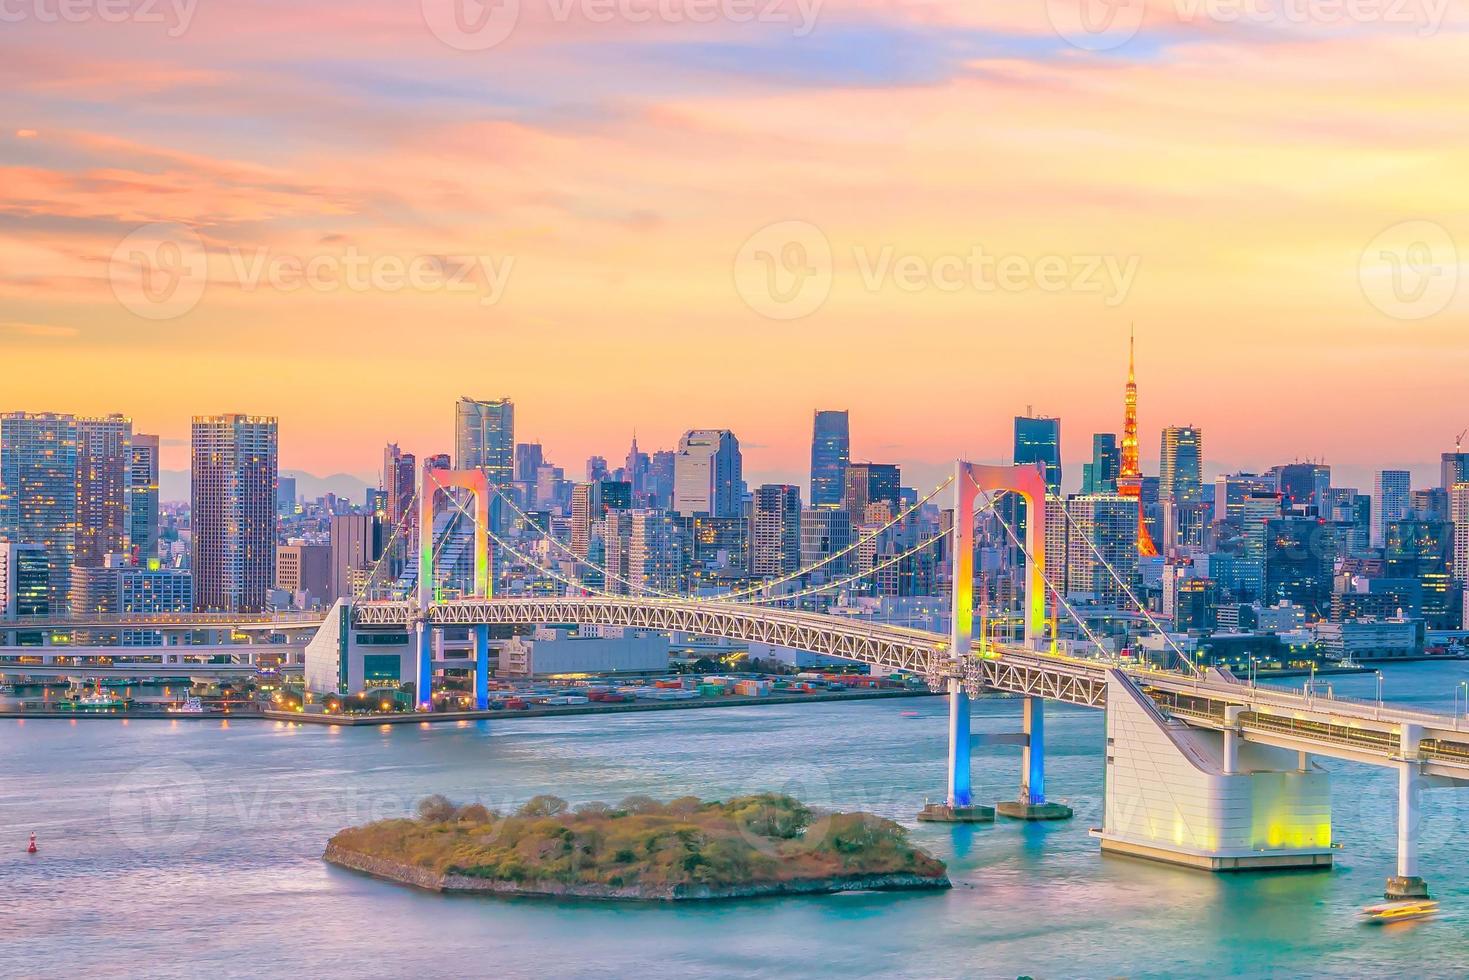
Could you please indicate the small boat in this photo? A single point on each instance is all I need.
(191, 706)
(910, 714)
(1402, 911)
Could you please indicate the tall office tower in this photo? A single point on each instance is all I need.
(1429, 504)
(636, 468)
(1181, 472)
(38, 492)
(597, 469)
(657, 556)
(662, 469)
(529, 458)
(590, 503)
(104, 482)
(1256, 512)
(708, 476)
(1302, 486)
(1423, 550)
(869, 483)
(1351, 512)
(1100, 475)
(1300, 553)
(357, 544)
(1038, 440)
(1130, 474)
(1453, 468)
(398, 482)
(776, 530)
(831, 451)
(1393, 496)
(143, 499)
(824, 532)
(25, 580)
(1231, 491)
(234, 470)
(484, 438)
(1110, 522)
(1459, 514)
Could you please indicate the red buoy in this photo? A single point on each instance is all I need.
(32, 848)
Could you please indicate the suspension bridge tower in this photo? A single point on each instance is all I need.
(434, 480)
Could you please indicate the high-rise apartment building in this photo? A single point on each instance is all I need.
(1110, 522)
(484, 438)
(657, 556)
(143, 498)
(104, 487)
(38, 492)
(589, 504)
(1181, 470)
(25, 580)
(824, 532)
(831, 451)
(708, 474)
(1392, 493)
(775, 530)
(1038, 440)
(234, 470)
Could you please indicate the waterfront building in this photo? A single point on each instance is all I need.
(38, 492)
(831, 452)
(1392, 491)
(590, 650)
(233, 511)
(25, 580)
(708, 474)
(103, 486)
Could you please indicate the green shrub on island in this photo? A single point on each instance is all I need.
(641, 842)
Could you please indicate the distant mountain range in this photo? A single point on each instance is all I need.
(174, 485)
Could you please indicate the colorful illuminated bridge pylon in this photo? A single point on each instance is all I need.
(433, 481)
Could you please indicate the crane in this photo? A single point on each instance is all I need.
(1459, 439)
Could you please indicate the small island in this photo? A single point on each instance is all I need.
(640, 849)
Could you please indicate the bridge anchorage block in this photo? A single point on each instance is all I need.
(1406, 886)
(946, 813)
(1025, 810)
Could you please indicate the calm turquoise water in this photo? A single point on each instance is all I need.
(189, 848)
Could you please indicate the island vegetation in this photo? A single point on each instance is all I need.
(641, 848)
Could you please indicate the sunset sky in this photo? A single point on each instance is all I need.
(607, 188)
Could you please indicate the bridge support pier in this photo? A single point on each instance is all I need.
(423, 676)
(959, 807)
(1407, 883)
(1031, 803)
(481, 667)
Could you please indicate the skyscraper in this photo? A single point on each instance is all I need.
(398, 479)
(143, 499)
(484, 438)
(1181, 471)
(104, 487)
(831, 451)
(1303, 485)
(1100, 475)
(38, 492)
(869, 483)
(824, 532)
(357, 543)
(1038, 440)
(1453, 469)
(776, 530)
(233, 515)
(708, 476)
(24, 580)
(1110, 522)
(635, 469)
(1393, 493)
(657, 556)
(1130, 477)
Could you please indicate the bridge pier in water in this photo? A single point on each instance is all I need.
(1407, 883)
(423, 675)
(481, 667)
(1031, 803)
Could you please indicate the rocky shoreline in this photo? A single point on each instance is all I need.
(417, 877)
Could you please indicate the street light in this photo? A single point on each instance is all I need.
(1379, 691)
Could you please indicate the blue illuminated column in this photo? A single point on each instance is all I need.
(423, 678)
(481, 667)
(961, 616)
(1033, 756)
